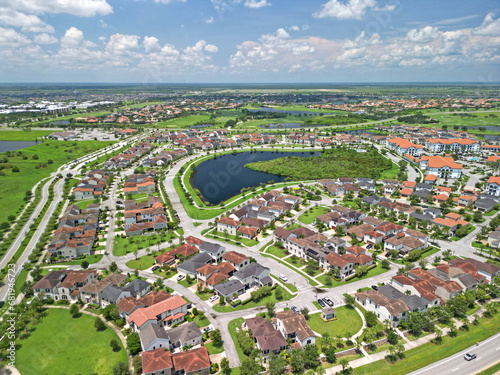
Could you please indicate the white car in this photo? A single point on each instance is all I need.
(213, 298)
(180, 277)
(283, 278)
(174, 294)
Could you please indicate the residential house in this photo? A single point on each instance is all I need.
(294, 326)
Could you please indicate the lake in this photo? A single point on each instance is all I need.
(293, 113)
(57, 123)
(15, 145)
(221, 178)
(288, 125)
(490, 127)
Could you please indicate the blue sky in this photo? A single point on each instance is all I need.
(158, 41)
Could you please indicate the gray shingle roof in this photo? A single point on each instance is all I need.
(210, 247)
(229, 287)
(151, 332)
(192, 264)
(254, 269)
(184, 333)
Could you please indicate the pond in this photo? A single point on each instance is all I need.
(15, 145)
(293, 113)
(223, 177)
(288, 125)
(490, 127)
(62, 122)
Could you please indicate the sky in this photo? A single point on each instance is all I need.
(249, 41)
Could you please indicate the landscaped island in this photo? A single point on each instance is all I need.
(330, 164)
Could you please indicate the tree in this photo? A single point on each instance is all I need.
(277, 364)
(297, 360)
(311, 356)
(423, 263)
(344, 363)
(216, 337)
(311, 267)
(478, 217)
(121, 368)
(278, 293)
(99, 324)
(113, 267)
(371, 318)
(74, 310)
(224, 366)
(305, 311)
(114, 345)
(330, 355)
(349, 300)
(385, 264)
(85, 264)
(271, 307)
(249, 367)
(133, 343)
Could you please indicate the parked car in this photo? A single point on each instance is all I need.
(213, 298)
(294, 309)
(369, 246)
(328, 301)
(180, 277)
(283, 278)
(470, 356)
(374, 287)
(154, 268)
(321, 302)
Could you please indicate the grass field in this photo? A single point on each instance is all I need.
(270, 298)
(123, 246)
(61, 344)
(373, 272)
(309, 216)
(391, 173)
(276, 251)
(430, 353)
(91, 259)
(348, 321)
(21, 135)
(233, 324)
(141, 263)
(15, 184)
(212, 349)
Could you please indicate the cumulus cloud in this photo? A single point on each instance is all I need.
(256, 4)
(489, 26)
(211, 48)
(28, 23)
(210, 20)
(353, 9)
(11, 38)
(74, 38)
(122, 44)
(151, 44)
(82, 8)
(423, 35)
(45, 39)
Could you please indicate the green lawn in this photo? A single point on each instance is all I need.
(202, 322)
(391, 173)
(473, 309)
(21, 279)
(271, 298)
(309, 216)
(276, 251)
(212, 349)
(15, 184)
(373, 272)
(233, 324)
(141, 263)
(185, 284)
(63, 345)
(83, 204)
(21, 135)
(90, 258)
(129, 245)
(348, 321)
(491, 371)
(429, 353)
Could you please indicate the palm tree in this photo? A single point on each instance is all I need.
(344, 363)
(392, 351)
(400, 350)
